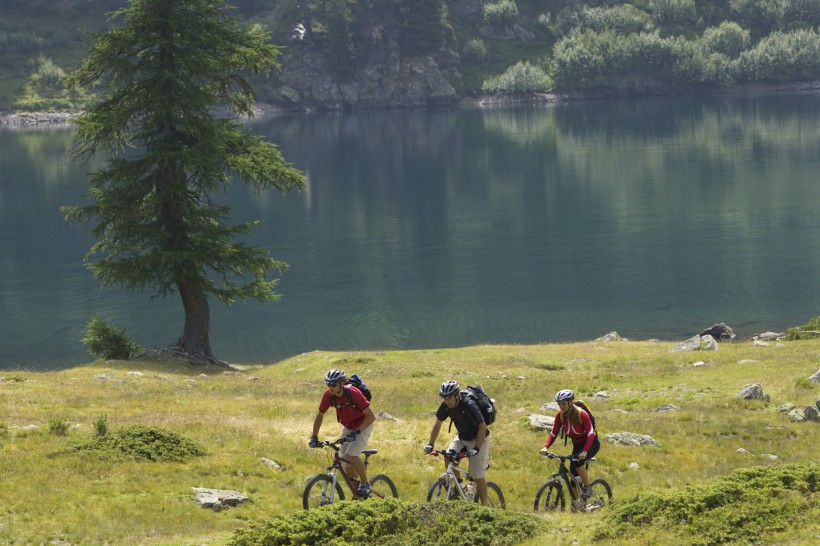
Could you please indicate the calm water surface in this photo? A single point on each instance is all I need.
(655, 218)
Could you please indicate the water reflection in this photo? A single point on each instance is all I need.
(442, 228)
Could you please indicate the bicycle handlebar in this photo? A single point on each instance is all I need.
(550, 455)
(449, 454)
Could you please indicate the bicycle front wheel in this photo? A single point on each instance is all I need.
(381, 486)
(601, 495)
(318, 492)
(550, 497)
(495, 499)
(439, 491)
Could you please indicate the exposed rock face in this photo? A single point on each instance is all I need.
(387, 80)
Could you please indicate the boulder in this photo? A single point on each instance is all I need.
(816, 377)
(631, 439)
(540, 422)
(768, 336)
(719, 331)
(611, 336)
(812, 413)
(691, 344)
(217, 499)
(752, 392)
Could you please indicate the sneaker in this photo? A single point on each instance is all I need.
(364, 490)
(586, 492)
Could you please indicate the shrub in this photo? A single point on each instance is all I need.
(501, 14)
(673, 12)
(624, 19)
(751, 502)
(105, 341)
(810, 330)
(143, 443)
(728, 38)
(522, 77)
(783, 56)
(391, 522)
(474, 50)
(101, 425)
(762, 16)
(57, 427)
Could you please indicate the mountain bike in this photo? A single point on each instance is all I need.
(324, 489)
(450, 486)
(550, 495)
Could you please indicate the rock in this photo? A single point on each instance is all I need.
(785, 408)
(383, 415)
(541, 422)
(742, 451)
(631, 439)
(747, 361)
(666, 407)
(768, 336)
(719, 331)
(550, 406)
(708, 343)
(691, 344)
(758, 343)
(811, 413)
(752, 392)
(797, 416)
(611, 336)
(634, 466)
(601, 394)
(698, 364)
(135, 374)
(816, 377)
(272, 464)
(217, 499)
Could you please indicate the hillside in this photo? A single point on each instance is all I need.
(65, 483)
(400, 53)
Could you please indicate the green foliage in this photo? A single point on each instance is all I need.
(106, 341)
(760, 16)
(19, 42)
(101, 425)
(474, 50)
(522, 77)
(142, 443)
(624, 19)
(392, 522)
(810, 330)
(783, 56)
(500, 14)
(803, 13)
(751, 502)
(154, 212)
(57, 427)
(422, 26)
(728, 38)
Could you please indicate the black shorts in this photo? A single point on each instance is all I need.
(578, 448)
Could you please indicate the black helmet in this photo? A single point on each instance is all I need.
(448, 388)
(334, 376)
(566, 394)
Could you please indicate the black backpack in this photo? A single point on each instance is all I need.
(581, 405)
(484, 402)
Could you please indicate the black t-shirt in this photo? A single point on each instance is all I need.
(466, 417)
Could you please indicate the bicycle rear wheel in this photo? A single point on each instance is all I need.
(601, 494)
(317, 492)
(439, 491)
(550, 497)
(381, 486)
(495, 498)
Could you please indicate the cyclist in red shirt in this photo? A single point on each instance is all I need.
(573, 422)
(354, 413)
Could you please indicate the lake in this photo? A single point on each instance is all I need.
(655, 218)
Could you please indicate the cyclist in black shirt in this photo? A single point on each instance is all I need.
(473, 435)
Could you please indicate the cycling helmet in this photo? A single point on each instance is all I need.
(448, 388)
(566, 394)
(334, 376)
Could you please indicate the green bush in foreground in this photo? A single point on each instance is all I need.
(392, 522)
(143, 443)
(750, 502)
(809, 330)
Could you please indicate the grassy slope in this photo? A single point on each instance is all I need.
(52, 494)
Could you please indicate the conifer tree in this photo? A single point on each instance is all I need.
(168, 66)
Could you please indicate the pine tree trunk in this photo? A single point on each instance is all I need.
(195, 339)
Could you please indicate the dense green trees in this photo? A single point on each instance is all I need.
(166, 69)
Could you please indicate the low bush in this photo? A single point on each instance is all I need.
(105, 341)
(392, 522)
(142, 443)
(810, 330)
(750, 502)
(521, 77)
(57, 427)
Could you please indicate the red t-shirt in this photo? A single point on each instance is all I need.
(583, 433)
(349, 415)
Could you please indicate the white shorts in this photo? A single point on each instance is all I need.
(479, 464)
(354, 449)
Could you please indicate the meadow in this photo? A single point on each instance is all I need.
(55, 493)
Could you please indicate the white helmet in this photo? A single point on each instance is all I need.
(566, 394)
(334, 376)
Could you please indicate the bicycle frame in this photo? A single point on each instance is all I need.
(573, 483)
(337, 466)
(450, 474)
